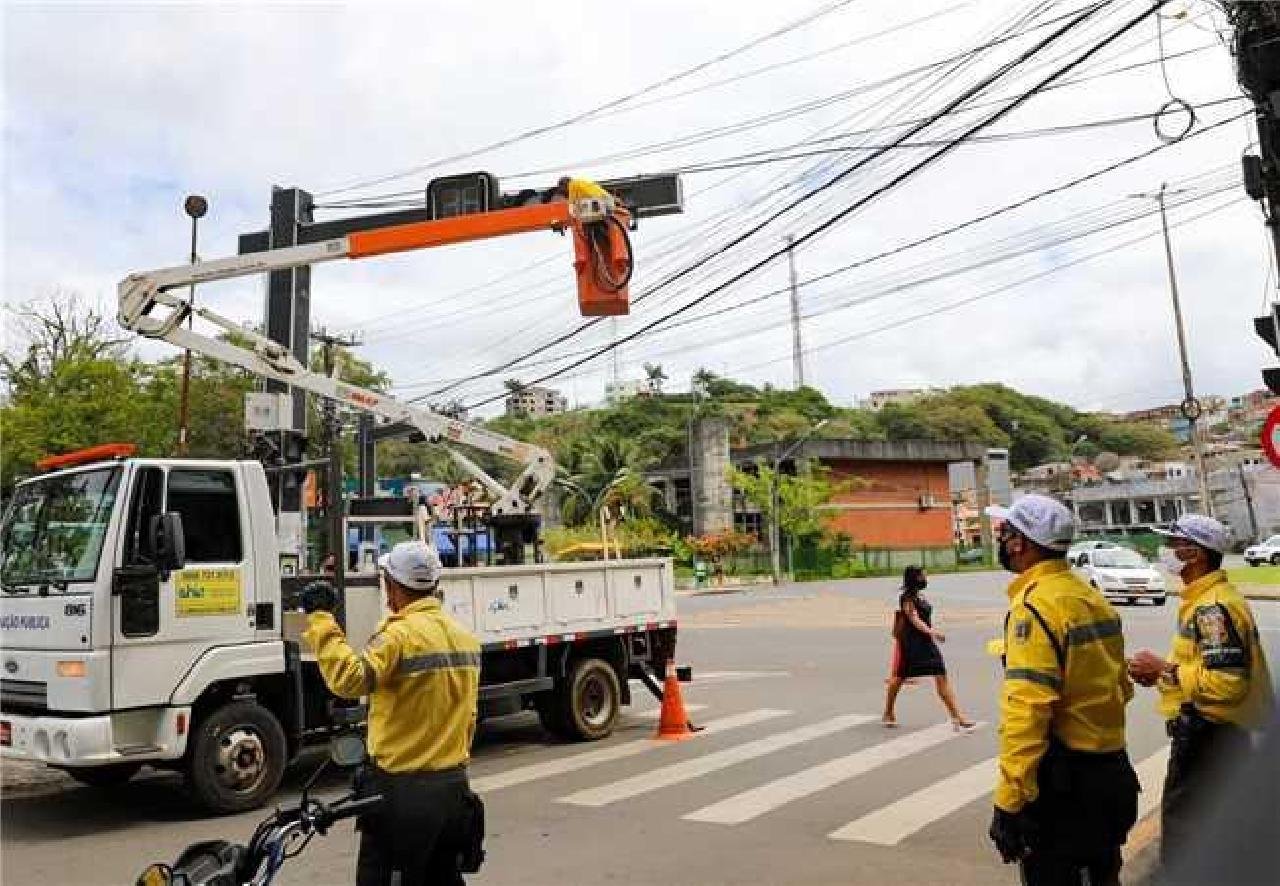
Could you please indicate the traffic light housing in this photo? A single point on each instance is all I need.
(1267, 328)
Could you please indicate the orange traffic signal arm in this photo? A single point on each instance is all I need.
(140, 295)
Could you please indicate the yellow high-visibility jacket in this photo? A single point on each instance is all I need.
(1065, 676)
(1222, 668)
(421, 671)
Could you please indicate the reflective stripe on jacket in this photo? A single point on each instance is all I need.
(1222, 668)
(421, 671)
(1065, 676)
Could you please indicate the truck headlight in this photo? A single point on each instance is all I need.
(71, 669)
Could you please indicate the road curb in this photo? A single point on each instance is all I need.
(1249, 592)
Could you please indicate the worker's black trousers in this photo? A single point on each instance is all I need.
(418, 834)
(1087, 804)
(1202, 758)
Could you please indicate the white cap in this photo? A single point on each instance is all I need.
(413, 564)
(1204, 531)
(1044, 520)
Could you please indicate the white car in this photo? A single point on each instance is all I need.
(1084, 547)
(1266, 552)
(1122, 574)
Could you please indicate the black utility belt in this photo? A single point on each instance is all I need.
(1057, 748)
(452, 775)
(1190, 722)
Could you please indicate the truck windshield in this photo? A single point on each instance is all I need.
(54, 528)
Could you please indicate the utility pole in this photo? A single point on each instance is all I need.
(337, 543)
(195, 207)
(1256, 47)
(797, 350)
(1191, 408)
(1248, 501)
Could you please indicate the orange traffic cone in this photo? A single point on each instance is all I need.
(673, 724)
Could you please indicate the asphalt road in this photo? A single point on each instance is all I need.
(795, 781)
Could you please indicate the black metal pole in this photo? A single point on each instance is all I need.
(195, 207)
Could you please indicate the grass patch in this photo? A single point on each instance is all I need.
(1255, 575)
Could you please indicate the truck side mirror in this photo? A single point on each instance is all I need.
(168, 542)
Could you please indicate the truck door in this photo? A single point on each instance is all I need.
(206, 604)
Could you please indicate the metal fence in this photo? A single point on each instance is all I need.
(816, 564)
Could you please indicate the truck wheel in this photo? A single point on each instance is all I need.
(1275, 559)
(113, 775)
(552, 712)
(593, 699)
(237, 758)
(1159, 601)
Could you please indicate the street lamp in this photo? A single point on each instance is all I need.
(775, 556)
(195, 207)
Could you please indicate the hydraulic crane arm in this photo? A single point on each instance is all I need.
(142, 294)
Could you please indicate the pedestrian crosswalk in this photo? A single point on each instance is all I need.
(685, 770)
(738, 745)
(757, 801)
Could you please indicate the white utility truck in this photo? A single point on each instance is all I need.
(145, 619)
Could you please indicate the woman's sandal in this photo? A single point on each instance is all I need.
(889, 722)
(963, 725)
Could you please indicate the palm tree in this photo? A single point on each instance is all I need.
(603, 472)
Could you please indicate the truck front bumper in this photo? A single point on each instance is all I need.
(139, 736)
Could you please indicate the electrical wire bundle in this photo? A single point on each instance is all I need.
(821, 181)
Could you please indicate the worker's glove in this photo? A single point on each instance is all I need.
(1011, 832)
(318, 596)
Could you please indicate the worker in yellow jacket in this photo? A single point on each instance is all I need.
(1066, 794)
(421, 673)
(1215, 686)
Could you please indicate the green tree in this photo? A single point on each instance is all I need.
(603, 472)
(801, 496)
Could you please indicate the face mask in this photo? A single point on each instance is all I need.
(1170, 560)
(1006, 560)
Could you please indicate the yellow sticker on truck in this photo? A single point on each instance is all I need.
(208, 592)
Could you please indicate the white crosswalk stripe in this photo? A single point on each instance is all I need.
(686, 770)
(1151, 777)
(768, 797)
(654, 713)
(890, 825)
(621, 751)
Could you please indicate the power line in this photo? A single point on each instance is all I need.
(758, 121)
(415, 194)
(524, 358)
(903, 176)
(998, 290)
(921, 241)
(918, 280)
(598, 109)
(967, 94)
(743, 160)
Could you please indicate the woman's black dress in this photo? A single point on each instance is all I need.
(921, 656)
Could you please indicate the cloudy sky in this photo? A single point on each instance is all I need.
(113, 112)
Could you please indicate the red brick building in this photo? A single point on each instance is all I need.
(901, 491)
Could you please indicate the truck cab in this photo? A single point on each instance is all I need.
(112, 645)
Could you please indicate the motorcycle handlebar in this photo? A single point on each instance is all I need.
(345, 809)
